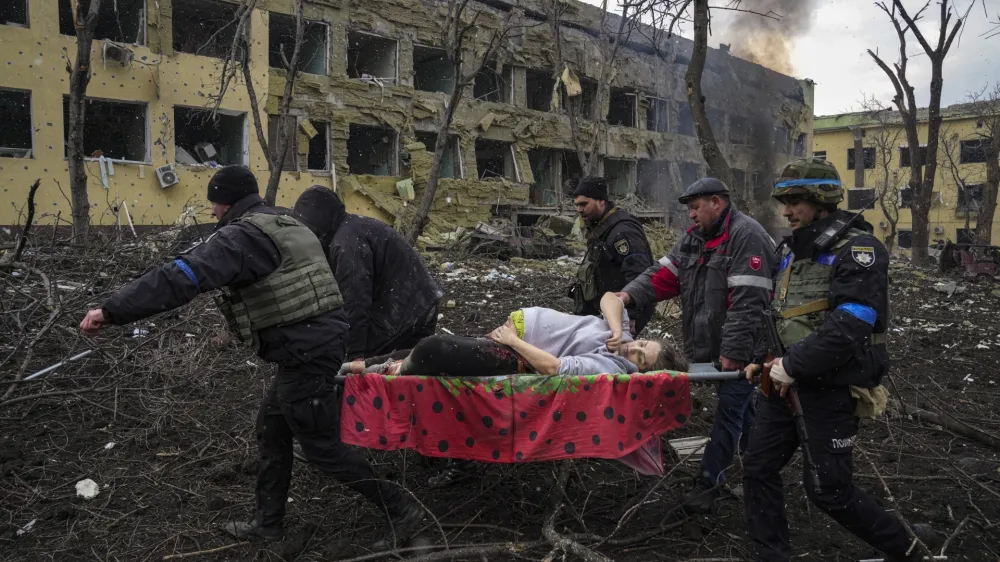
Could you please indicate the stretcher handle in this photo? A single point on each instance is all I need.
(694, 377)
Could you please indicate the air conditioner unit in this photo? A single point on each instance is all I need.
(117, 53)
(167, 176)
(938, 230)
(883, 224)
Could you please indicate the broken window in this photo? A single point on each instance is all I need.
(493, 85)
(972, 151)
(965, 236)
(203, 138)
(290, 161)
(821, 154)
(586, 97)
(571, 171)
(739, 179)
(621, 107)
(800, 145)
(123, 21)
(869, 158)
(739, 129)
(495, 159)
(657, 115)
(113, 129)
(319, 147)
(781, 140)
(685, 120)
(14, 12)
(905, 197)
(433, 70)
(717, 120)
(860, 198)
(450, 160)
(543, 168)
(372, 150)
(970, 198)
(653, 181)
(281, 39)
(371, 55)
(16, 132)
(620, 175)
(904, 156)
(539, 84)
(690, 173)
(204, 27)
(904, 238)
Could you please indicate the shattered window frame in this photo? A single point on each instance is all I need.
(965, 236)
(629, 116)
(905, 197)
(653, 180)
(739, 129)
(904, 239)
(972, 151)
(904, 155)
(630, 168)
(394, 166)
(22, 117)
(219, 48)
(105, 28)
(685, 120)
(540, 78)
(26, 23)
(504, 80)
(859, 198)
(799, 146)
(90, 121)
(510, 171)
(452, 149)
(274, 45)
(869, 157)
(658, 115)
(971, 193)
(443, 59)
(325, 133)
(821, 154)
(545, 162)
(352, 70)
(244, 140)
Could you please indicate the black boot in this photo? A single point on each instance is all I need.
(701, 499)
(927, 535)
(253, 531)
(401, 527)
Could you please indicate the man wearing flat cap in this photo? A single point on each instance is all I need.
(278, 295)
(617, 251)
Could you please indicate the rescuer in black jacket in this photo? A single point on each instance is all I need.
(280, 296)
(390, 298)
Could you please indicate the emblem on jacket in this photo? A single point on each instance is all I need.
(622, 246)
(864, 255)
(755, 262)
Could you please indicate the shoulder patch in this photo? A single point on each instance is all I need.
(755, 262)
(863, 255)
(785, 261)
(622, 246)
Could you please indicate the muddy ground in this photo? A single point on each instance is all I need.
(162, 420)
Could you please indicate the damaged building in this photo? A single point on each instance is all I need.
(370, 98)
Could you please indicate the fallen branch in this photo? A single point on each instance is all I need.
(22, 238)
(558, 541)
(961, 428)
(200, 552)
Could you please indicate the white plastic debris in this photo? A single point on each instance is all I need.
(982, 346)
(27, 528)
(87, 489)
(109, 446)
(968, 378)
(139, 332)
(251, 363)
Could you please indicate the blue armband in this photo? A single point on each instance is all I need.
(864, 313)
(186, 269)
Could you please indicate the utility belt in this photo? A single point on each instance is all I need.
(821, 305)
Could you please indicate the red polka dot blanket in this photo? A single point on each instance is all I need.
(520, 418)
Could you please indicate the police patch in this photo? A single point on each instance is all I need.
(863, 255)
(622, 246)
(755, 262)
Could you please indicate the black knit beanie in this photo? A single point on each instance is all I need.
(592, 186)
(321, 210)
(232, 183)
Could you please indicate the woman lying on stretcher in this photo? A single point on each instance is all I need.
(535, 340)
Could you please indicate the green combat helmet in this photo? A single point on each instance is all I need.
(814, 179)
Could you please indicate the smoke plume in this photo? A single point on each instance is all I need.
(768, 39)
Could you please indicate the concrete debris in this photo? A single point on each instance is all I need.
(950, 288)
(87, 489)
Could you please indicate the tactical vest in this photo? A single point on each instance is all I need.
(301, 287)
(803, 293)
(597, 251)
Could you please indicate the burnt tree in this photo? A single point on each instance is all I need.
(921, 180)
(79, 79)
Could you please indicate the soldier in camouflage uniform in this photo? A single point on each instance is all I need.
(831, 291)
(278, 295)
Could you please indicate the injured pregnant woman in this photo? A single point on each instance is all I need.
(535, 340)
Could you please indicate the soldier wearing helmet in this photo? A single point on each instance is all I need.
(831, 294)
(721, 270)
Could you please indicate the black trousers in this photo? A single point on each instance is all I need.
(832, 426)
(304, 403)
(409, 336)
(454, 355)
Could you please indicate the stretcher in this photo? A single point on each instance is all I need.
(522, 418)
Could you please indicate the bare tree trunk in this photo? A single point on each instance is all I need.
(79, 79)
(286, 138)
(717, 165)
(984, 222)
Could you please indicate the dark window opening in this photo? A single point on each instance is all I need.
(904, 156)
(717, 120)
(281, 38)
(781, 141)
(291, 159)
(584, 102)
(113, 129)
(319, 147)
(739, 179)
(371, 55)
(543, 168)
(492, 85)
(539, 84)
(858, 199)
(965, 236)
(432, 70)
(821, 154)
(653, 181)
(201, 138)
(204, 27)
(800, 145)
(739, 130)
(16, 132)
(372, 151)
(690, 173)
(123, 21)
(495, 159)
(970, 198)
(621, 107)
(571, 170)
(620, 175)
(904, 238)
(685, 120)
(657, 116)
(14, 12)
(973, 151)
(905, 197)
(450, 158)
(869, 158)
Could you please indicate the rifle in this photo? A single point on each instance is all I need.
(777, 349)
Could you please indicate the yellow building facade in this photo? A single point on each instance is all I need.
(961, 161)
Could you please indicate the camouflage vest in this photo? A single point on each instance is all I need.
(302, 287)
(803, 293)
